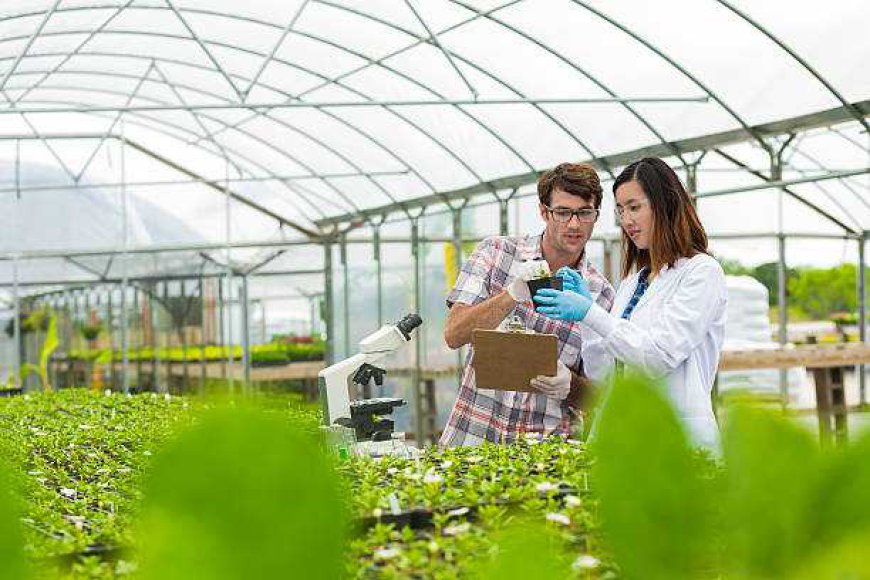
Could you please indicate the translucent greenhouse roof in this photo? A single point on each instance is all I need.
(316, 113)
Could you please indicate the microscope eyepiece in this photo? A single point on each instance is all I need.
(408, 323)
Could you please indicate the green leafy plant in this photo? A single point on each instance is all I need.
(90, 331)
(12, 562)
(648, 482)
(243, 495)
(49, 345)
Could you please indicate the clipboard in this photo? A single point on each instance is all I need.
(507, 361)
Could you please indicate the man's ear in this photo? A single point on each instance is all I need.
(543, 211)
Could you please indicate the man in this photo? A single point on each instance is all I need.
(491, 287)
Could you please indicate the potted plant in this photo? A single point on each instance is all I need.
(543, 278)
(841, 320)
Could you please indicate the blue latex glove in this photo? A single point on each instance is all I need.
(573, 281)
(562, 305)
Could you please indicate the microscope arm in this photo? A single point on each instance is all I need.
(336, 381)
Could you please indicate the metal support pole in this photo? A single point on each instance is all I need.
(379, 271)
(202, 337)
(862, 315)
(125, 355)
(183, 328)
(228, 311)
(16, 325)
(503, 217)
(246, 332)
(345, 296)
(418, 398)
(164, 342)
(782, 281)
(110, 308)
(155, 344)
(781, 273)
(457, 257)
(329, 305)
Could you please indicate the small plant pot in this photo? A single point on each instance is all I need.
(554, 282)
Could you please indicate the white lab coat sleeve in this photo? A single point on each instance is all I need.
(597, 361)
(684, 320)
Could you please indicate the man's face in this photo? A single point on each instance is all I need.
(567, 236)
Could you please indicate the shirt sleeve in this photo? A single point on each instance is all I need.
(680, 326)
(473, 282)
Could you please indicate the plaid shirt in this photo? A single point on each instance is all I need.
(480, 415)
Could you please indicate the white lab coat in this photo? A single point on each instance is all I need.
(675, 332)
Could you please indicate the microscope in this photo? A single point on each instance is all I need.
(365, 418)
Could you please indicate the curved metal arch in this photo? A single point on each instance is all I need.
(845, 183)
(402, 75)
(338, 119)
(183, 130)
(479, 69)
(582, 72)
(228, 126)
(661, 54)
(217, 120)
(849, 107)
(248, 134)
(431, 137)
(425, 133)
(320, 40)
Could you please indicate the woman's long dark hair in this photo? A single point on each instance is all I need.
(676, 231)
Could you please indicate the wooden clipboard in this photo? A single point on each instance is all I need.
(507, 361)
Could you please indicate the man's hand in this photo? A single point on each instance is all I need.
(518, 289)
(556, 387)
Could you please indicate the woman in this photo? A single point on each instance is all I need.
(668, 318)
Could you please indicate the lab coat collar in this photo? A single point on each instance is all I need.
(654, 284)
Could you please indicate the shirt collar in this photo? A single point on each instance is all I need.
(532, 249)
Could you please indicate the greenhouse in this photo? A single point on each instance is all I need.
(252, 252)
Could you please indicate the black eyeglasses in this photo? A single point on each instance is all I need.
(563, 216)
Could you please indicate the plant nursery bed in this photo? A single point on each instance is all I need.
(80, 458)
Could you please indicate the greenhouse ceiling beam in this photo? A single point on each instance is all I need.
(800, 123)
(23, 52)
(351, 104)
(154, 249)
(786, 182)
(789, 192)
(275, 47)
(205, 50)
(365, 240)
(156, 277)
(74, 52)
(223, 189)
(803, 63)
(211, 182)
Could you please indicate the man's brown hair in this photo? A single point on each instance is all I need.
(578, 179)
(676, 230)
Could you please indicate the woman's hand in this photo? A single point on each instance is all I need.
(562, 305)
(573, 281)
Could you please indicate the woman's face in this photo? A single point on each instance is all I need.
(634, 213)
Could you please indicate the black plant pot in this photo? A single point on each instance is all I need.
(554, 282)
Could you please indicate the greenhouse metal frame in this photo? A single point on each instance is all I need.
(278, 123)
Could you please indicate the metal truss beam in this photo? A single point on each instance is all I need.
(353, 104)
(234, 195)
(161, 278)
(825, 118)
